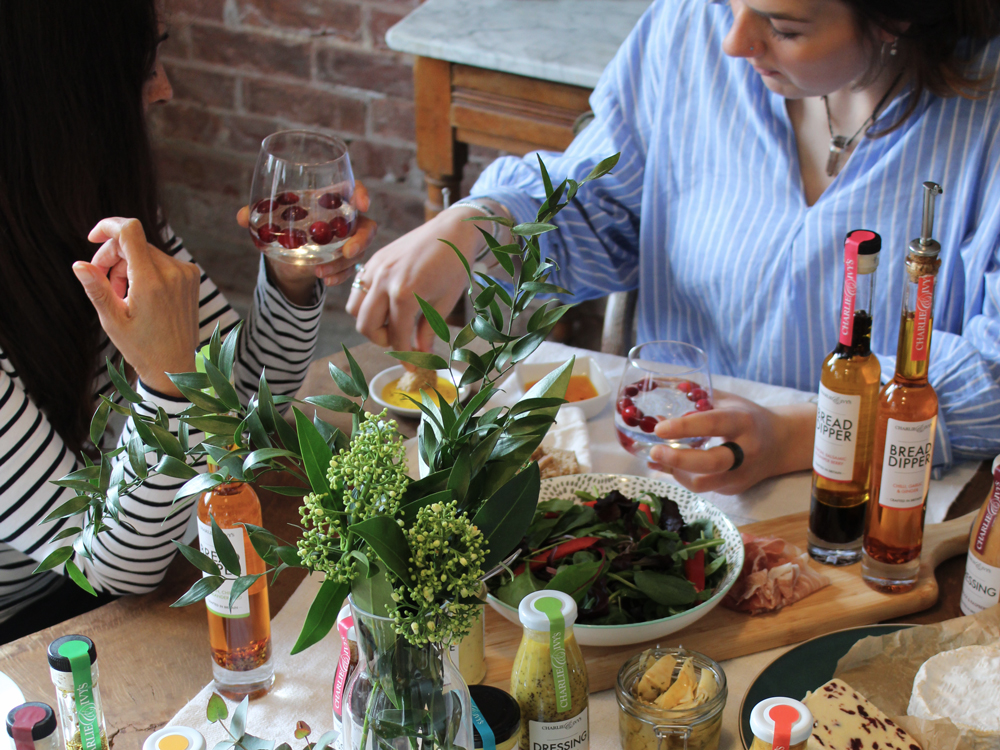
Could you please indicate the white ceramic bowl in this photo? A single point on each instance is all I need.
(692, 508)
(380, 381)
(532, 373)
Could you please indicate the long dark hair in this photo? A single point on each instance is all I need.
(935, 41)
(73, 150)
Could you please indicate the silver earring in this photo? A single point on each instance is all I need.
(751, 48)
(894, 48)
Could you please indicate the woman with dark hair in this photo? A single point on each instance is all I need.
(75, 82)
(754, 135)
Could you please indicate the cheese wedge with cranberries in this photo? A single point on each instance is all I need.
(845, 720)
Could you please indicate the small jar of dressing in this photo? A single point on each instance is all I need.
(780, 723)
(496, 719)
(549, 679)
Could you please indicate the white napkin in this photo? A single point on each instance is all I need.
(303, 684)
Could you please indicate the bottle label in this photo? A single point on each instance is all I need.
(343, 666)
(218, 601)
(981, 589)
(981, 534)
(922, 317)
(87, 717)
(906, 464)
(572, 734)
(836, 434)
(850, 291)
(552, 608)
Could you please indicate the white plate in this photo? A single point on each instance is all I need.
(692, 508)
(380, 381)
(532, 373)
(10, 697)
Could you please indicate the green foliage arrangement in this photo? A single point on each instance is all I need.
(411, 549)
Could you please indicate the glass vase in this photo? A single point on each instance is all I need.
(401, 696)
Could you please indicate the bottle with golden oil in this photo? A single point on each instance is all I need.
(240, 635)
(845, 414)
(905, 427)
(981, 588)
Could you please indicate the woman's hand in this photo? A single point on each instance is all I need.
(416, 263)
(146, 300)
(296, 282)
(774, 441)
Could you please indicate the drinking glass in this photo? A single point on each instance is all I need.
(662, 380)
(300, 198)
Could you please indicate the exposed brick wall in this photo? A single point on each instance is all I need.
(242, 69)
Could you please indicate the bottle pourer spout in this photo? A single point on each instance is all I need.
(926, 245)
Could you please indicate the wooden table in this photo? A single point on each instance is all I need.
(153, 658)
(513, 75)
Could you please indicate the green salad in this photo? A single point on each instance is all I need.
(624, 560)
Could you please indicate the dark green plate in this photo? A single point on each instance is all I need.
(803, 668)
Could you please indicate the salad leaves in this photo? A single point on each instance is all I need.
(623, 560)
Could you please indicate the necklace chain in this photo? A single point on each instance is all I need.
(839, 143)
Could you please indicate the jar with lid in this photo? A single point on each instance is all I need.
(549, 678)
(496, 719)
(73, 667)
(780, 723)
(32, 726)
(646, 726)
(469, 655)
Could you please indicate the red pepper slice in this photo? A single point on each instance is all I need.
(648, 511)
(538, 562)
(694, 570)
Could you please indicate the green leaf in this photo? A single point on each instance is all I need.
(263, 456)
(99, 423)
(513, 592)
(199, 591)
(316, 455)
(199, 484)
(117, 408)
(527, 344)
(325, 740)
(215, 425)
(69, 508)
(227, 354)
(465, 263)
(214, 346)
(344, 381)
(225, 551)
(287, 491)
(217, 709)
(531, 404)
(121, 383)
(388, 542)
(340, 404)
(505, 516)
(79, 578)
(54, 559)
(203, 401)
(532, 228)
(546, 180)
(575, 580)
(461, 475)
(435, 320)
(409, 510)
(540, 287)
(171, 467)
(137, 456)
(602, 168)
(196, 381)
(223, 388)
(322, 615)
(421, 359)
(167, 441)
(240, 585)
(664, 588)
(357, 374)
(68, 532)
(487, 331)
(464, 336)
(198, 558)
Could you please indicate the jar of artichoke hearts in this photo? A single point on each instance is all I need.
(692, 725)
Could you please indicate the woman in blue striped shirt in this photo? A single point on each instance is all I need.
(724, 215)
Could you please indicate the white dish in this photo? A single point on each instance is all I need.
(10, 697)
(692, 508)
(380, 381)
(532, 373)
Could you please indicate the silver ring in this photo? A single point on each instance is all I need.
(359, 284)
(359, 268)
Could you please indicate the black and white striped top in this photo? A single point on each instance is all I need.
(278, 336)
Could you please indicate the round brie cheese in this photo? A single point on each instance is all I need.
(961, 685)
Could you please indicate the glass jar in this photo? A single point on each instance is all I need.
(401, 696)
(645, 727)
(501, 715)
(32, 726)
(470, 653)
(549, 678)
(73, 667)
(781, 722)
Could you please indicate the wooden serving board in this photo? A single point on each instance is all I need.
(724, 634)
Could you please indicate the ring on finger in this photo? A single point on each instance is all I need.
(359, 284)
(359, 268)
(737, 454)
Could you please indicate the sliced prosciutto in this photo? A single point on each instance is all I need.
(775, 574)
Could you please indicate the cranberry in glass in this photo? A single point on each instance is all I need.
(320, 232)
(623, 402)
(631, 391)
(625, 440)
(330, 200)
(703, 404)
(268, 232)
(697, 394)
(648, 424)
(286, 199)
(340, 227)
(292, 238)
(264, 207)
(631, 416)
(294, 213)
(685, 386)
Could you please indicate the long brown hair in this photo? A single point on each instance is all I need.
(73, 150)
(936, 40)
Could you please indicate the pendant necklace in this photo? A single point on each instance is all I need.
(840, 143)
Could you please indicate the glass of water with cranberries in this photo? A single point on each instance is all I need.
(662, 380)
(300, 199)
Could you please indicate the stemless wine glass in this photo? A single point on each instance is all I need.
(662, 380)
(300, 198)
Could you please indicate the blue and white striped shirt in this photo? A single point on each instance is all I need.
(705, 214)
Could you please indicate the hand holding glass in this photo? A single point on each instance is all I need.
(301, 210)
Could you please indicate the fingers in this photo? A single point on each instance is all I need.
(425, 336)
(243, 217)
(711, 461)
(403, 310)
(360, 200)
(109, 306)
(725, 423)
(129, 240)
(372, 313)
(363, 235)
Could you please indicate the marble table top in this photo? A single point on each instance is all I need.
(567, 41)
